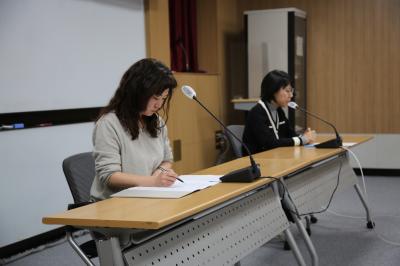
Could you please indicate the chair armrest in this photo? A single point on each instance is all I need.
(77, 205)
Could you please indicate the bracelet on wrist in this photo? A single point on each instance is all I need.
(162, 169)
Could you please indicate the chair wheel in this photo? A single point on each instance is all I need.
(286, 246)
(313, 219)
(370, 225)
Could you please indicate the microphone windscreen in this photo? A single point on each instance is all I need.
(292, 105)
(188, 91)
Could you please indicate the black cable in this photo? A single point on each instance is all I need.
(296, 212)
(285, 190)
(330, 199)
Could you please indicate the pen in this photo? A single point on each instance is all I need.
(165, 170)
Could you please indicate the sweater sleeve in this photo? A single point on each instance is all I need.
(168, 157)
(107, 149)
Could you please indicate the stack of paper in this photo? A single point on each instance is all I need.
(190, 184)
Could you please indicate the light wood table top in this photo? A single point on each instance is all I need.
(148, 213)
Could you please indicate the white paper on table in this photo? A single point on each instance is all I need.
(178, 189)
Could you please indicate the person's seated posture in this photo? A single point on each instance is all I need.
(131, 146)
(267, 126)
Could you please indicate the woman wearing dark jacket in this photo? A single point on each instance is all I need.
(267, 126)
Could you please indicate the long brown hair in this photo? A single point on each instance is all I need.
(141, 81)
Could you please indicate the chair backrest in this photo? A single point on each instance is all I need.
(236, 145)
(79, 170)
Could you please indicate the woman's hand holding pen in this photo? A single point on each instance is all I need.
(164, 177)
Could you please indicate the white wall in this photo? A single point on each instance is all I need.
(381, 152)
(32, 183)
(66, 53)
(55, 54)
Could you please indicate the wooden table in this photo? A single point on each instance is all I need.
(216, 214)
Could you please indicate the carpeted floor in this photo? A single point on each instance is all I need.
(343, 240)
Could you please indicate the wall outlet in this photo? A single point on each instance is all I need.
(177, 150)
(219, 139)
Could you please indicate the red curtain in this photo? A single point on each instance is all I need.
(183, 35)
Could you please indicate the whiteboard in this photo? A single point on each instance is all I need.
(62, 54)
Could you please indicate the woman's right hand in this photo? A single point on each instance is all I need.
(164, 178)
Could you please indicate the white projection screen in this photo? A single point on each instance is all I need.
(66, 54)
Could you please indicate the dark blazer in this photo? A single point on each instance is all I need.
(259, 135)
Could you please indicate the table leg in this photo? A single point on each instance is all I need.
(109, 252)
(78, 250)
(310, 246)
(288, 234)
(370, 223)
(295, 249)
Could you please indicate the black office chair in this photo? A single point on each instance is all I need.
(234, 143)
(79, 171)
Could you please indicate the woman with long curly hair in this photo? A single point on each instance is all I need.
(131, 146)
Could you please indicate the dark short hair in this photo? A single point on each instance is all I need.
(273, 82)
(140, 82)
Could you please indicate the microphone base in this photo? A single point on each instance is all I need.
(243, 175)
(330, 144)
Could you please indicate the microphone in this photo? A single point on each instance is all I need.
(333, 143)
(246, 174)
(180, 43)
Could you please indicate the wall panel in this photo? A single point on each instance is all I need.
(188, 122)
(352, 70)
(353, 61)
(192, 125)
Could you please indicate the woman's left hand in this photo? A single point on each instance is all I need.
(310, 135)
